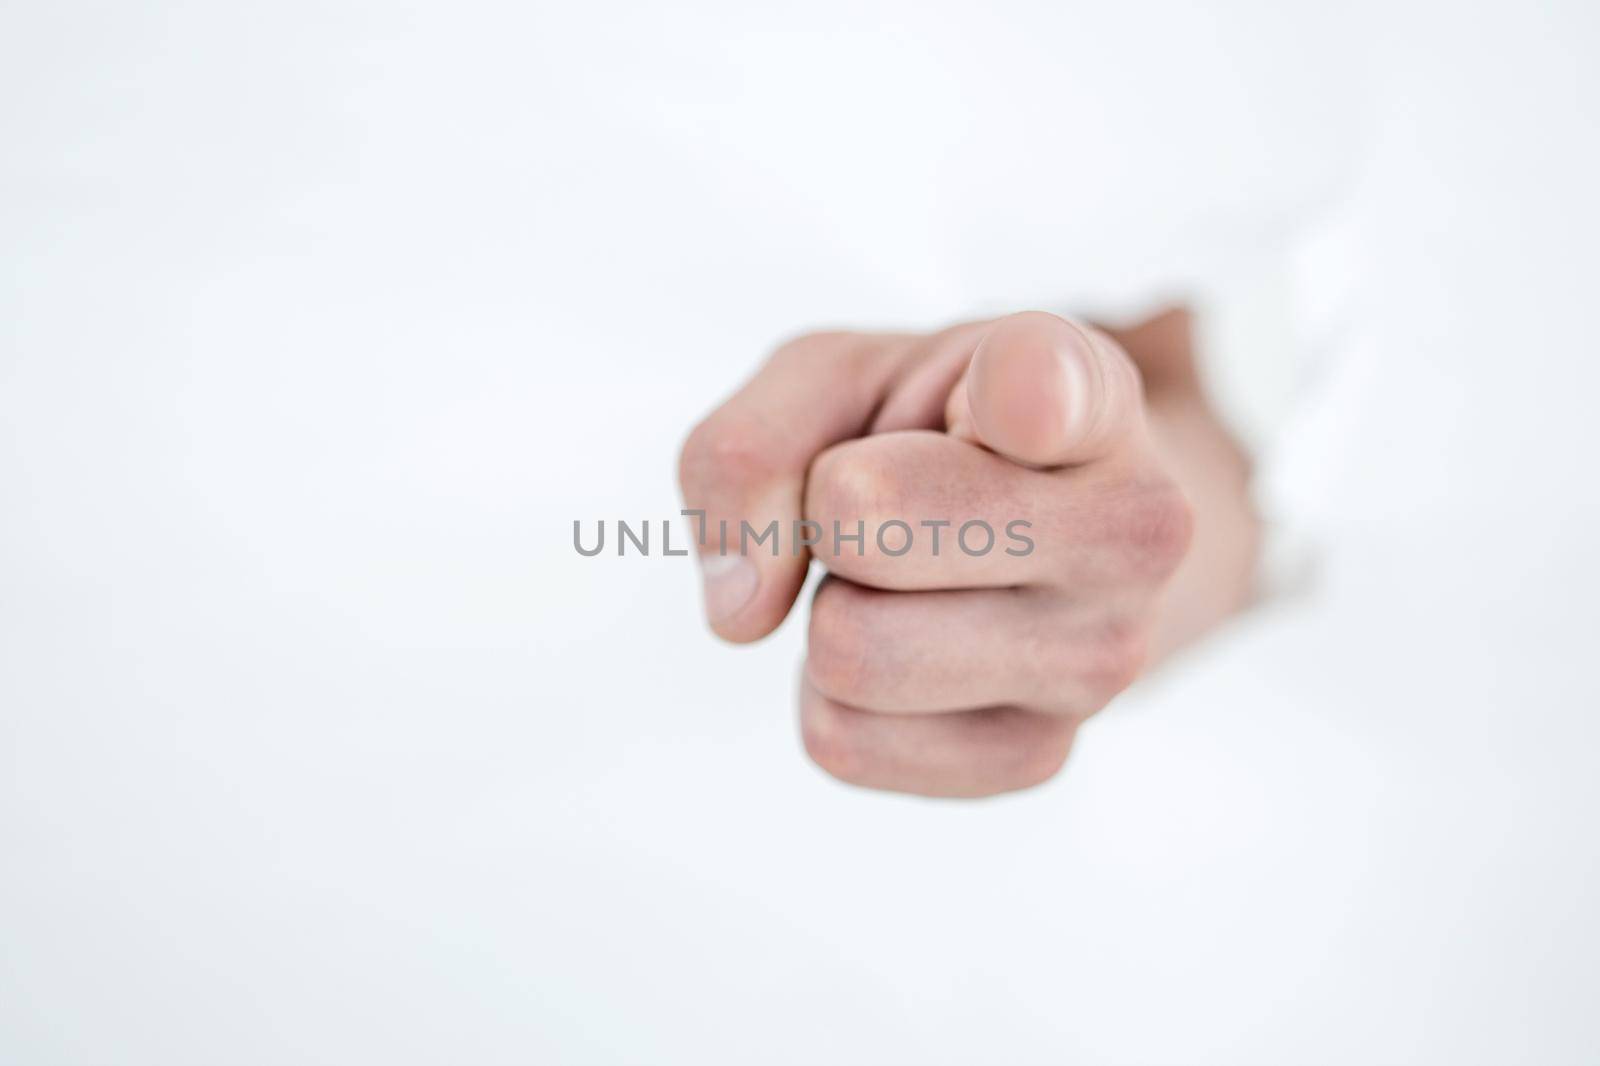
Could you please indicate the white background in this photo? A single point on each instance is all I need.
(320, 324)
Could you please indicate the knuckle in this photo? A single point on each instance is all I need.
(825, 737)
(738, 443)
(845, 484)
(1156, 527)
(1083, 669)
(1043, 759)
(1116, 659)
(725, 447)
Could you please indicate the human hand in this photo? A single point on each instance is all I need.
(933, 667)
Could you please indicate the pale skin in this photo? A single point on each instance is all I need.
(958, 674)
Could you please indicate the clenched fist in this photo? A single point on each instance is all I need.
(1016, 517)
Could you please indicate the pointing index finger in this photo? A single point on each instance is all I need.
(1045, 392)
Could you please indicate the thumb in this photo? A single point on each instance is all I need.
(1046, 391)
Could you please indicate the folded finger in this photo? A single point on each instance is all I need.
(920, 510)
(944, 651)
(972, 753)
(743, 470)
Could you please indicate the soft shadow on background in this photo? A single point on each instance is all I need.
(320, 324)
